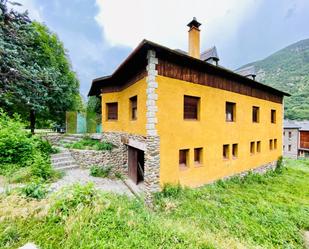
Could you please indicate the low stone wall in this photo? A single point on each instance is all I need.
(260, 170)
(53, 138)
(88, 158)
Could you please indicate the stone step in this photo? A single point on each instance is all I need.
(64, 163)
(60, 155)
(72, 166)
(60, 159)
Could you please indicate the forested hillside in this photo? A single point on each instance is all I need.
(288, 70)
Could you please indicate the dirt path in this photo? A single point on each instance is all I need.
(307, 239)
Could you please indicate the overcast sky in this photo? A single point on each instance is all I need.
(99, 34)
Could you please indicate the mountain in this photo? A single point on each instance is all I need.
(288, 70)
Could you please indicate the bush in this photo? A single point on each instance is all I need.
(34, 190)
(90, 144)
(72, 198)
(44, 146)
(41, 167)
(99, 171)
(16, 145)
(170, 190)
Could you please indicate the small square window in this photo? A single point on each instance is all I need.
(226, 151)
(235, 150)
(273, 116)
(255, 114)
(252, 148)
(191, 107)
(184, 158)
(198, 156)
(258, 146)
(290, 134)
(230, 112)
(112, 111)
(275, 143)
(271, 144)
(133, 108)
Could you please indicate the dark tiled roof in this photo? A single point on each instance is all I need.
(210, 53)
(138, 58)
(301, 125)
(289, 124)
(246, 71)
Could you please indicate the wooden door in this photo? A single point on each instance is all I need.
(132, 163)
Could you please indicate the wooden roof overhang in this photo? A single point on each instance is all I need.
(175, 64)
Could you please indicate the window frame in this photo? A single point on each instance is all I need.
(133, 108)
(234, 149)
(198, 152)
(186, 156)
(273, 116)
(271, 144)
(252, 147)
(226, 152)
(227, 111)
(108, 108)
(258, 147)
(187, 105)
(256, 114)
(275, 143)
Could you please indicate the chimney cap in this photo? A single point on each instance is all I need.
(194, 23)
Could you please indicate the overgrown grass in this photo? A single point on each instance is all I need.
(268, 211)
(100, 171)
(88, 143)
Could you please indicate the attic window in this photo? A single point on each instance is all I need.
(191, 107)
(112, 111)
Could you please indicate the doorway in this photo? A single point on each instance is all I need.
(136, 162)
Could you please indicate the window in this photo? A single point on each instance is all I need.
(191, 107)
(133, 107)
(230, 109)
(235, 150)
(275, 144)
(252, 148)
(258, 146)
(112, 111)
(226, 151)
(290, 134)
(270, 144)
(290, 147)
(255, 114)
(273, 116)
(198, 155)
(183, 158)
(284, 133)
(283, 147)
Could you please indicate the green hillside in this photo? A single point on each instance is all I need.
(288, 70)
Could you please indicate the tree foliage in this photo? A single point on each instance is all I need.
(35, 71)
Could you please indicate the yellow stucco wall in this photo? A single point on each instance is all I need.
(211, 132)
(124, 122)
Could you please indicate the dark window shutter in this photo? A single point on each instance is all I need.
(191, 107)
(112, 111)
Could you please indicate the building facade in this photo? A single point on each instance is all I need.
(196, 122)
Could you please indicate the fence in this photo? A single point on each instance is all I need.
(79, 122)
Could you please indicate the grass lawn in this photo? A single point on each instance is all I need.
(270, 211)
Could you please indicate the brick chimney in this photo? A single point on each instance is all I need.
(194, 38)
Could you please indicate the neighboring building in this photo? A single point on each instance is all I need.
(290, 139)
(184, 120)
(296, 139)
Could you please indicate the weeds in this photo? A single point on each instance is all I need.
(100, 171)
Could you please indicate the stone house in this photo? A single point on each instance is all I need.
(182, 118)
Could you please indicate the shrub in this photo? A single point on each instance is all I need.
(170, 190)
(90, 144)
(34, 190)
(99, 171)
(43, 146)
(72, 198)
(280, 165)
(41, 167)
(104, 146)
(16, 145)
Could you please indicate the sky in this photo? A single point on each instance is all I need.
(99, 34)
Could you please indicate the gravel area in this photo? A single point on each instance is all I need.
(82, 176)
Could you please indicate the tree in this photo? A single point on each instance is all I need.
(36, 78)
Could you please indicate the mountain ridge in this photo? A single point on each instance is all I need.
(288, 70)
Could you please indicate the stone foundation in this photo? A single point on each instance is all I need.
(260, 170)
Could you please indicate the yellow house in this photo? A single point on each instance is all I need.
(183, 119)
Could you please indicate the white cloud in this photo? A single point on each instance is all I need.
(35, 11)
(127, 22)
